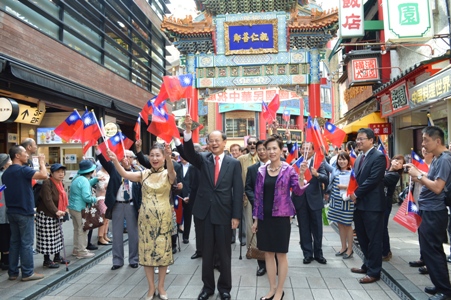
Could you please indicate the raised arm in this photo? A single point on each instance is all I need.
(132, 176)
(169, 164)
(42, 173)
(144, 161)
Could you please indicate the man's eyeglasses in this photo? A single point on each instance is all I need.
(252, 143)
(361, 139)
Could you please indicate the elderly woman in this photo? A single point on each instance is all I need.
(155, 215)
(81, 194)
(5, 230)
(272, 211)
(52, 206)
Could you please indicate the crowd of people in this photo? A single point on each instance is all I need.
(249, 195)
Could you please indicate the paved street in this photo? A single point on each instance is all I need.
(93, 279)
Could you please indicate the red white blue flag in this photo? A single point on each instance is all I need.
(297, 168)
(419, 163)
(334, 134)
(353, 185)
(68, 128)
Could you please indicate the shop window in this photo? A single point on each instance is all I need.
(76, 23)
(240, 127)
(80, 46)
(31, 17)
(114, 50)
(116, 67)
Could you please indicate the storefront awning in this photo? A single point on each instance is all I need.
(58, 84)
(363, 122)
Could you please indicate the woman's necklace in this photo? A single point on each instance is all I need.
(275, 169)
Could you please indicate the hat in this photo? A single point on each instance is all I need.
(3, 159)
(86, 166)
(56, 167)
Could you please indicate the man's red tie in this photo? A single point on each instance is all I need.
(216, 168)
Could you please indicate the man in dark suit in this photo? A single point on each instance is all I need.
(369, 199)
(309, 209)
(124, 199)
(187, 170)
(219, 204)
(251, 178)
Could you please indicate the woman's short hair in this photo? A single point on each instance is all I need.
(344, 155)
(274, 138)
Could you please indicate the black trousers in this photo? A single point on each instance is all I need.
(369, 227)
(187, 217)
(216, 240)
(310, 231)
(199, 235)
(432, 235)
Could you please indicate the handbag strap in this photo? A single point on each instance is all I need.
(250, 242)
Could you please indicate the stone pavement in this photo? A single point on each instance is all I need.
(93, 279)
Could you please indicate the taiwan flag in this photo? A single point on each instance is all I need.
(2, 188)
(118, 143)
(269, 111)
(353, 185)
(334, 134)
(91, 130)
(419, 163)
(381, 148)
(137, 128)
(159, 113)
(297, 167)
(165, 131)
(177, 87)
(146, 111)
(407, 214)
(353, 157)
(68, 129)
(286, 115)
(293, 153)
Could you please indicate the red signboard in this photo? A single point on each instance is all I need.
(380, 128)
(364, 71)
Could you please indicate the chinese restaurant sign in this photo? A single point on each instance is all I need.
(251, 37)
(251, 96)
(407, 20)
(363, 71)
(380, 128)
(433, 89)
(351, 18)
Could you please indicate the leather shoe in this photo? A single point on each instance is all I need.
(225, 296)
(368, 279)
(430, 290)
(321, 260)
(134, 266)
(358, 270)
(115, 267)
(174, 250)
(243, 243)
(307, 260)
(423, 270)
(185, 241)
(204, 295)
(196, 255)
(261, 271)
(416, 263)
(440, 296)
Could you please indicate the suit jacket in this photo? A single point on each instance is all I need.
(313, 195)
(115, 183)
(370, 178)
(186, 181)
(223, 201)
(193, 176)
(251, 178)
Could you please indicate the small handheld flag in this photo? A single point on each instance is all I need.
(353, 185)
(419, 163)
(334, 134)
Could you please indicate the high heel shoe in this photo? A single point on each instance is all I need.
(163, 297)
(105, 237)
(151, 297)
(267, 298)
(102, 242)
(346, 256)
(283, 294)
(341, 253)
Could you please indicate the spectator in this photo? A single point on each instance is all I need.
(20, 211)
(369, 199)
(79, 196)
(432, 230)
(155, 215)
(187, 170)
(123, 199)
(100, 195)
(272, 211)
(309, 209)
(235, 150)
(251, 178)
(51, 208)
(391, 179)
(341, 211)
(30, 146)
(5, 229)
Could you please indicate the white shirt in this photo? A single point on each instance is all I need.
(185, 168)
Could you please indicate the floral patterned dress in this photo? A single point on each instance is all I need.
(155, 220)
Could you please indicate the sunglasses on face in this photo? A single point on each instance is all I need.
(252, 143)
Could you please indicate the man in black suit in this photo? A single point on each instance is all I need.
(219, 204)
(251, 178)
(370, 202)
(124, 199)
(187, 170)
(309, 209)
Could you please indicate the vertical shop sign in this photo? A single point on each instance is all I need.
(351, 18)
(407, 20)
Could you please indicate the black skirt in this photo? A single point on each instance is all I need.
(273, 233)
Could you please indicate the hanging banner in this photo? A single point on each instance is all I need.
(251, 95)
(351, 18)
(435, 88)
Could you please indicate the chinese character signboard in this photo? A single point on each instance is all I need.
(251, 96)
(363, 71)
(399, 97)
(251, 37)
(408, 20)
(380, 128)
(433, 89)
(351, 18)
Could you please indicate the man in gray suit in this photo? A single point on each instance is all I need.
(370, 202)
(309, 209)
(219, 204)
